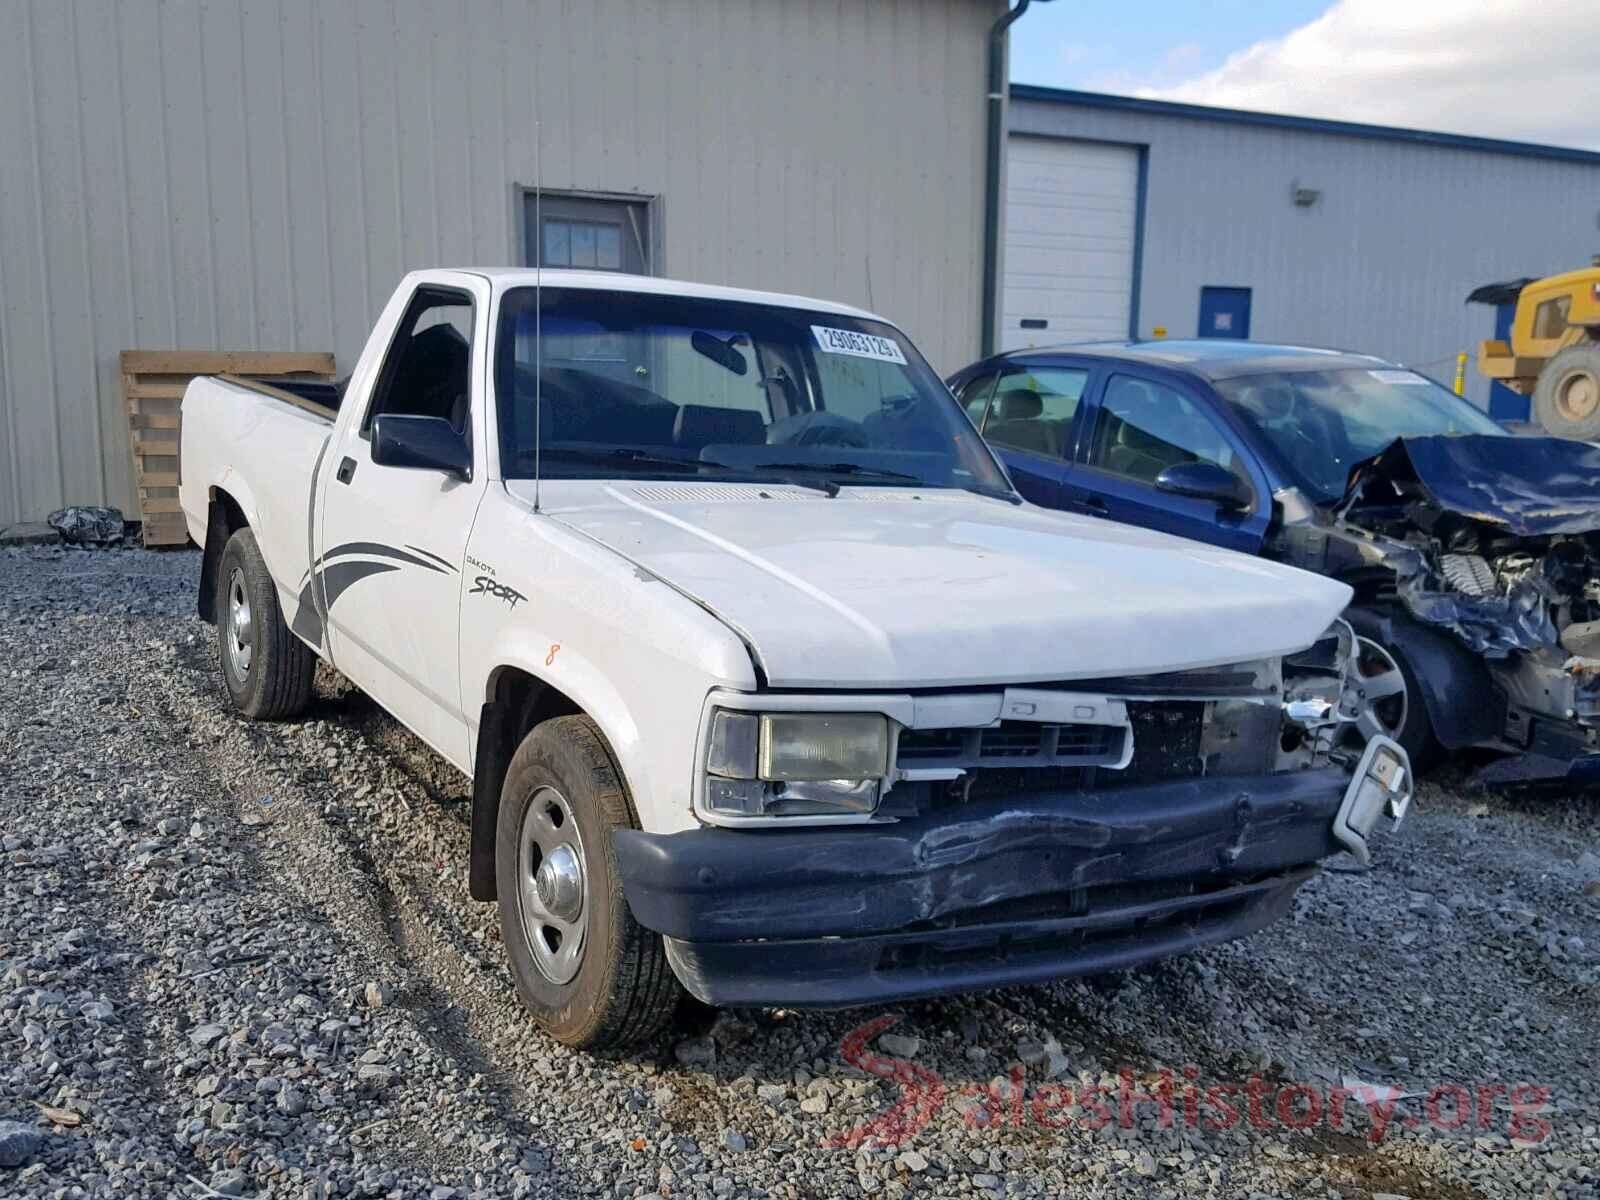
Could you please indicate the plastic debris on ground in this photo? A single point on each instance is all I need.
(88, 525)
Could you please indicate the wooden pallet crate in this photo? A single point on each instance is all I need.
(152, 389)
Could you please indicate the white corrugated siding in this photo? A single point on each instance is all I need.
(258, 175)
(1381, 263)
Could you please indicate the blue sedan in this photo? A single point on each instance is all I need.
(1197, 437)
(1251, 446)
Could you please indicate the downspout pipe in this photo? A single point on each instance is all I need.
(991, 197)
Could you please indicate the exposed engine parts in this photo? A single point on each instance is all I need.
(1464, 535)
(1468, 573)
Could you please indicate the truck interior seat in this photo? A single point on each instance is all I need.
(699, 425)
(431, 378)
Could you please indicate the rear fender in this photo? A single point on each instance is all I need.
(220, 525)
(1457, 690)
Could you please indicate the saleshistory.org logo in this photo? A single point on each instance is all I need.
(484, 586)
(1177, 1098)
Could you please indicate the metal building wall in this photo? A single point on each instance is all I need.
(258, 175)
(1381, 263)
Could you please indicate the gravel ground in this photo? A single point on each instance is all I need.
(240, 959)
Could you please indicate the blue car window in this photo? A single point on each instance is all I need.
(974, 397)
(1322, 423)
(1033, 410)
(1146, 427)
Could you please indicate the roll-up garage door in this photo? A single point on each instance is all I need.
(1071, 223)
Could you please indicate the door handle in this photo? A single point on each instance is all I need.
(1096, 506)
(346, 471)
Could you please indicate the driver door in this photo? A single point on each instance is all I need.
(1139, 426)
(394, 539)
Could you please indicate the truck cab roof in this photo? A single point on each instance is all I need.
(505, 278)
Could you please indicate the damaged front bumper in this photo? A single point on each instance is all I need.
(1009, 891)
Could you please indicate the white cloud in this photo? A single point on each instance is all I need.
(1523, 69)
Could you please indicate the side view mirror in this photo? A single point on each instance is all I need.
(1205, 481)
(423, 443)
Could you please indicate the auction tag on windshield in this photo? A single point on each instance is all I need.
(861, 345)
(1401, 377)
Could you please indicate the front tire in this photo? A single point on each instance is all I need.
(592, 976)
(267, 669)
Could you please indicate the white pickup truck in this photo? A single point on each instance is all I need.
(769, 685)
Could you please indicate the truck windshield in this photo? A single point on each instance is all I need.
(1322, 423)
(659, 386)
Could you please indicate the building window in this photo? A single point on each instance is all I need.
(587, 234)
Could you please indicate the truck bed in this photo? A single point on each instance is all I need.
(260, 442)
(320, 397)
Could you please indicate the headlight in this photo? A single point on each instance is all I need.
(795, 764)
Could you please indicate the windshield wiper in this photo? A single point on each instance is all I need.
(624, 454)
(994, 493)
(858, 470)
(839, 468)
(644, 458)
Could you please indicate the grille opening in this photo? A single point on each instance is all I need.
(1025, 757)
(1013, 743)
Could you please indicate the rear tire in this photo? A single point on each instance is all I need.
(1566, 399)
(592, 976)
(267, 669)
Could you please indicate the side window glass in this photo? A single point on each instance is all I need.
(428, 370)
(1146, 427)
(974, 397)
(1034, 410)
(1550, 318)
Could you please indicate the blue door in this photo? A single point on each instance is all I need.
(1504, 404)
(1139, 426)
(1032, 420)
(1224, 312)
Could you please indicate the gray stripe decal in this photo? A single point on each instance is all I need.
(317, 598)
(430, 554)
(377, 550)
(307, 620)
(339, 576)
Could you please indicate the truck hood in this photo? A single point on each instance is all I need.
(898, 588)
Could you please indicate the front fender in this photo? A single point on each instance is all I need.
(1457, 690)
(537, 652)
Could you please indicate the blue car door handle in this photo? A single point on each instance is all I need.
(1096, 506)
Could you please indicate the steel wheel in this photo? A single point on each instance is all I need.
(1577, 395)
(241, 624)
(1379, 689)
(553, 886)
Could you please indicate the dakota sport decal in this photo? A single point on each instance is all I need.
(484, 586)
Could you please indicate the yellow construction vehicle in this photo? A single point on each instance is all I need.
(1551, 350)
